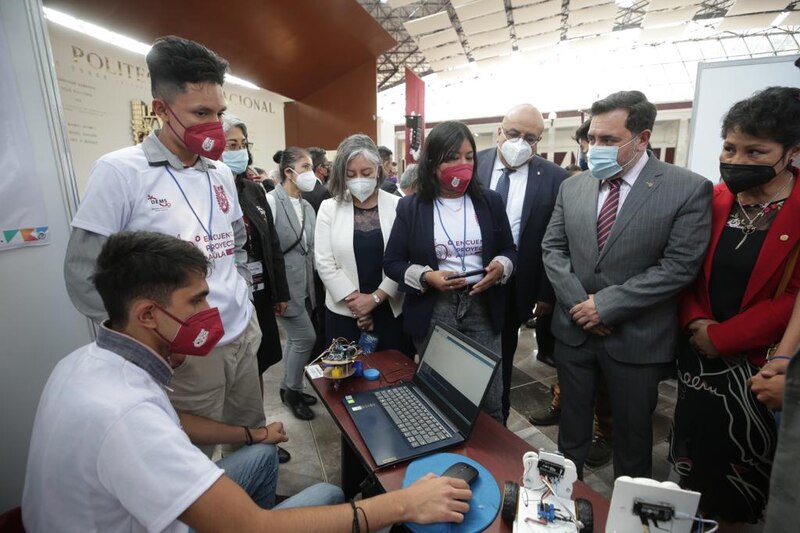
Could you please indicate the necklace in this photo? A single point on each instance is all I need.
(451, 206)
(750, 226)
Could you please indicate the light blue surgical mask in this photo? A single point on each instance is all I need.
(603, 160)
(236, 160)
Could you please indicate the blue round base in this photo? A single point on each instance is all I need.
(483, 507)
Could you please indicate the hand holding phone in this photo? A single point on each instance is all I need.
(466, 274)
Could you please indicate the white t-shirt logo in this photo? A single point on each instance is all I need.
(455, 182)
(222, 198)
(201, 338)
(208, 144)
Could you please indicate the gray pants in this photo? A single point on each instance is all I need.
(470, 316)
(300, 339)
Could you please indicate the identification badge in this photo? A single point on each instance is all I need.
(256, 269)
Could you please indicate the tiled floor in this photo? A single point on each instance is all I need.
(315, 445)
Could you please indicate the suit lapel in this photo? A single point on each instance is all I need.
(647, 182)
(531, 189)
(485, 222)
(424, 211)
(385, 212)
(485, 166)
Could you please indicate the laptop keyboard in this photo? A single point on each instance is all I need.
(411, 417)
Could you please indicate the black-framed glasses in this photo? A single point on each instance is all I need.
(529, 138)
(236, 145)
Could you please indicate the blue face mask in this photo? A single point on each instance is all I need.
(236, 160)
(603, 160)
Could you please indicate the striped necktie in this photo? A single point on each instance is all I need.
(608, 213)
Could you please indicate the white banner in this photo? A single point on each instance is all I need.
(23, 216)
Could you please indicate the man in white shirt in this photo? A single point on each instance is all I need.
(109, 452)
(172, 183)
(624, 239)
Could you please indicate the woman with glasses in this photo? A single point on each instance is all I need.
(451, 247)
(352, 230)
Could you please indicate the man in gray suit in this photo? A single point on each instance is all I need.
(625, 238)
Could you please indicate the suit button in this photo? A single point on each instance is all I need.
(597, 270)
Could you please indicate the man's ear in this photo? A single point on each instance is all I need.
(142, 312)
(644, 138)
(160, 109)
(794, 153)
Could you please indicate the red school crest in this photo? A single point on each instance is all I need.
(222, 198)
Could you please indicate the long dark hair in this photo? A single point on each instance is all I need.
(443, 140)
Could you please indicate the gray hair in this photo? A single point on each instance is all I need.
(409, 177)
(232, 121)
(349, 149)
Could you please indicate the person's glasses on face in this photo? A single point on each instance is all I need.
(237, 145)
(529, 138)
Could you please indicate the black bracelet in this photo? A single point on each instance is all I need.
(356, 526)
(248, 437)
(366, 522)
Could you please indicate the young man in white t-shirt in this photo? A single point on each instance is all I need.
(172, 183)
(109, 452)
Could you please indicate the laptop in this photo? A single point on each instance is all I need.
(437, 409)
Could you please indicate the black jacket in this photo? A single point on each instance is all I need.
(316, 196)
(263, 239)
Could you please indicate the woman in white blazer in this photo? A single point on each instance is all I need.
(350, 236)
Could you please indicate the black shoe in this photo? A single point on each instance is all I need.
(294, 400)
(546, 358)
(283, 455)
(600, 453)
(548, 416)
(305, 398)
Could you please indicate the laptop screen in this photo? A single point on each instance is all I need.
(455, 373)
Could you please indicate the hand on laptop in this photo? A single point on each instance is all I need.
(434, 499)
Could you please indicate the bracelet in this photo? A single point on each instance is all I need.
(248, 437)
(773, 357)
(366, 522)
(422, 282)
(356, 526)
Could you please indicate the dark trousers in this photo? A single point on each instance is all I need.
(633, 390)
(318, 317)
(510, 338)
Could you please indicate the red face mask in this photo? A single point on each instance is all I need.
(198, 334)
(206, 139)
(456, 178)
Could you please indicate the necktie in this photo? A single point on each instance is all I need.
(503, 184)
(608, 213)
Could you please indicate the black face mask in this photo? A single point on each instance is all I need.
(739, 178)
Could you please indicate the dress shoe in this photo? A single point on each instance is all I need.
(600, 453)
(283, 455)
(549, 416)
(546, 358)
(299, 408)
(305, 398)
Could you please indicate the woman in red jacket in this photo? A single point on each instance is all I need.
(723, 438)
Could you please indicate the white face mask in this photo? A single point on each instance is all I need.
(516, 152)
(362, 188)
(305, 181)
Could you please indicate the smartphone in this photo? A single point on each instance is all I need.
(467, 274)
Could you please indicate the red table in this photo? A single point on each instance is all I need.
(490, 444)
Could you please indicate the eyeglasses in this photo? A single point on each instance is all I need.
(530, 138)
(236, 145)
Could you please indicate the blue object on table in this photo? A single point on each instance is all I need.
(483, 507)
(371, 374)
(358, 368)
(367, 342)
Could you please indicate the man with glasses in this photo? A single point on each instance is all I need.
(528, 185)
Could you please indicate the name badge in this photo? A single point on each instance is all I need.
(256, 269)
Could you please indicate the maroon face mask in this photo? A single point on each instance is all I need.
(198, 334)
(206, 139)
(456, 178)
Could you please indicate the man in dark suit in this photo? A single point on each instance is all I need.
(322, 169)
(624, 239)
(528, 185)
(389, 171)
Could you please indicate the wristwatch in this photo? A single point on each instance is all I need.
(376, 298)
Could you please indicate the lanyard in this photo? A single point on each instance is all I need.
(462, 256)
(210, 203)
